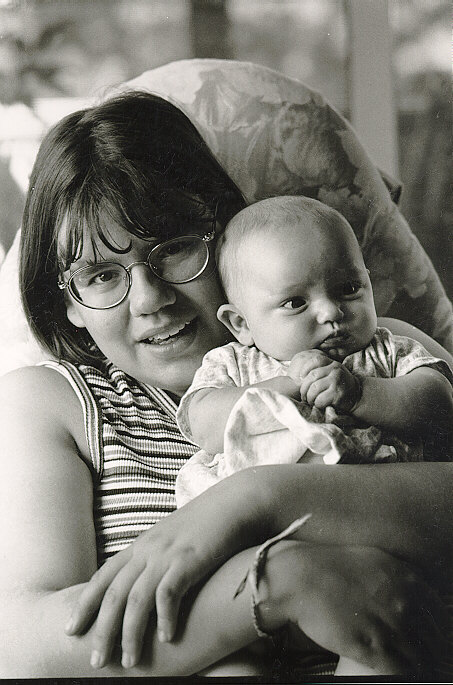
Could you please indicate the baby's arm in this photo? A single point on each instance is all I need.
(416, 404)
(209, 408)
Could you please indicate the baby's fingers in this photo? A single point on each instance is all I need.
(314, 383)
(305, 362)
(91, 596)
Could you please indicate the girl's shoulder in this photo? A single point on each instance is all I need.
(35, 384)
(40, 399)
(54, 385)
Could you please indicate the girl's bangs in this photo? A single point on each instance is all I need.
(85, 220)
(179, 213)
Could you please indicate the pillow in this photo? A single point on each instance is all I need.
(18, 346)
(275, 136)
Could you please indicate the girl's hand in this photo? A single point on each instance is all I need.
(324, 382)
(157, 570)
(359, 602)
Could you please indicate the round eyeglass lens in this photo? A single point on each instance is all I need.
(179, 260)
(100, 286)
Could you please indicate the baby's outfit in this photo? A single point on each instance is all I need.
(266, 427)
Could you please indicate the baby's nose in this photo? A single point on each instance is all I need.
(328, 311)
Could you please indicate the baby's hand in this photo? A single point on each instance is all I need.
(324, 382)
(304, 362)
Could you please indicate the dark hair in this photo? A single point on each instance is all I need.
(136, 159)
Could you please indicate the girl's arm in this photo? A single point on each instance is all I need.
(49, 547)
(404, 509)
(49, 552)
(208, 409)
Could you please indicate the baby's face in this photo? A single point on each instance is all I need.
(306, 289)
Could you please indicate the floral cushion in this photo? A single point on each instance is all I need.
(275, 136)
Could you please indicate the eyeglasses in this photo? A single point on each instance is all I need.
(107, 284)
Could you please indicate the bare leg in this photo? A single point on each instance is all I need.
(315, 586)
(250, 661)
(353, 668)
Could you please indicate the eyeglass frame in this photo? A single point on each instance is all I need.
(206, 238)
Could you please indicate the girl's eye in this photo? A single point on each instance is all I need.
(103, 277)
(99, 276)
(350, 288)
(295, 303)
(173, 249)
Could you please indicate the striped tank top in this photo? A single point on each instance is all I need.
(136, 451)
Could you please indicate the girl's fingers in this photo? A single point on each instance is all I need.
(167, 597)
(109, 621)
(140, 604)
(169, 594)
(91, 596)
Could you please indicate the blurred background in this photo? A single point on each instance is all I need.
(386, 64)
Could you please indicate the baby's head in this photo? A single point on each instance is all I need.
(295, 280)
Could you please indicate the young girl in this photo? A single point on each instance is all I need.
(91, 449)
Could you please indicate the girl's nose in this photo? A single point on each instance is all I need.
(328, 311)
(148, 294)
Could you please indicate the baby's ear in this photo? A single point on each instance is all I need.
(235, 321)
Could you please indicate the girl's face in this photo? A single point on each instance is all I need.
(160, 332)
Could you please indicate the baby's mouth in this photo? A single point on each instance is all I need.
(334, 340)
(334, 345)
(171, 334)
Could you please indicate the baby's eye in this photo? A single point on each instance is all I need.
(350, 288)
(295, 303)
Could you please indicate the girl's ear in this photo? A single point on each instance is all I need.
(235, 321)
(73, 313)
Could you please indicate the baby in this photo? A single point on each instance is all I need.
(311, 378)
